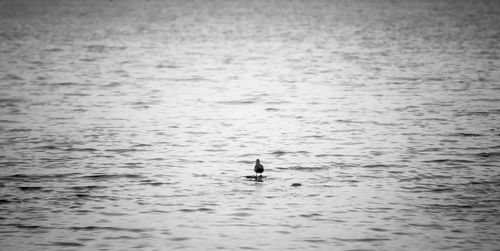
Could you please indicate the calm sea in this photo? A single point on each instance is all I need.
(133, 125)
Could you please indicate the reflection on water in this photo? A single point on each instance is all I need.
(128, 124)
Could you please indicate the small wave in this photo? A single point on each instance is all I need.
(443, 206)
(241, 214)
(361, 239)
(67, 244)
(378, 229)
(36, 177)
(169, 66)
(280, 153)
(8, 121)
(193, 79)
(112, 176)
(314, 136)
(310, 215)
(246, 161)
(65, 84)
(153, 183)
(179, 238)
(277, 102)
(466, 135)
(350, 181)
(376, 166)
(236, 102)
(431, 189)
(118, 229)
(11, 100)
(30, 189)
(488, 154)
(430, 225)
(473, 113)
(53, 49)
(98, 48)
(113, 214)
(5, 201)
(80, 149)
(272, 109)
(121, 237)
(86, 188)
(399, 109)
(315, 240)
(8, 77)
(449, 161)
(77, 94)
(310, 168)
(337, 155)
(191, 210)
(46, 147)
(348, 121)
(20, 130)
(123, 150)
(113, 84)
(247, 155)
(89, 59)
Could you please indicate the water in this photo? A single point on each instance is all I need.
(132, 124)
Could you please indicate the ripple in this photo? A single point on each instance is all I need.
(361, 239)
(101, 176)
(112, 229)
(67, 244)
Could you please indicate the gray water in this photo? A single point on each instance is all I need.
(133, 124)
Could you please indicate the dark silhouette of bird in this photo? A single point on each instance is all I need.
(258, 168)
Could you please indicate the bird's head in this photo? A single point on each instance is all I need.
(257, 160)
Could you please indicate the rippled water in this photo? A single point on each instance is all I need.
(132, 124)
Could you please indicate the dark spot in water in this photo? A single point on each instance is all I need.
(466, 135)
(271, 109)
(53, 50)
(11, 77)
(95, 228)
(79, 188)
(123, 150)
(376, 166)
(5, 201)
(296, 185)
(378, 229)
(279, 153)
(179, 238)
(29, 226)
(237, 102)
(113, 84)
(68, 244)
(66, 84)
(488, 154)
(82, 195)
(315, 240)
(27, 189)
(191, 210)
(361, 239)
(167, 66)
(309, 215)
(112, 176)
(80, 149)
(10, 101)
(47, 147)
(449, 161)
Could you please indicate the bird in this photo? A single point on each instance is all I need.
(258, 168)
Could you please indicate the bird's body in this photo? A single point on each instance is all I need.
(258, 168)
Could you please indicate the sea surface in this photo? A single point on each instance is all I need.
(133, 124)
